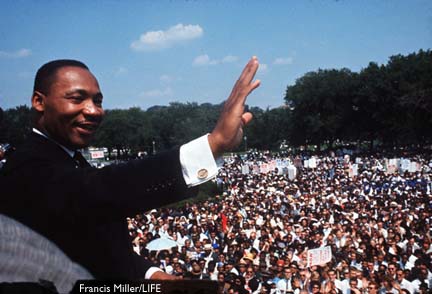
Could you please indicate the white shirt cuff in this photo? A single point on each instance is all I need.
(197, 161)
(151, 271)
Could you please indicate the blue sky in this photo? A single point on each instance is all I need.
(148, 53)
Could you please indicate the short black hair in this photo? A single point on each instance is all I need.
(46, 73)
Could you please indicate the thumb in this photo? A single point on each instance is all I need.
(246, 118)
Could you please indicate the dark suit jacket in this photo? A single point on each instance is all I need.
(83, 210)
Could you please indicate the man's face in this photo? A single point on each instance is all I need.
(315, 288)
(392, 269)
(372, 289)
(332, 275)
(400, 275)
(353, 284)
(287, 273)
(72, 109)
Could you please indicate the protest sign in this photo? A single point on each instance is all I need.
(391, 169)
(319, 256)
(292, 172)
(97, 154)
(312, 162)
(413, 167)
(255, 169)
(405, 164)
(245, 169)
(393, 161)
(272, 165)
(353, 170)
(264, 168)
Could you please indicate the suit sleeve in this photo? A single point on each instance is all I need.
(104, 194)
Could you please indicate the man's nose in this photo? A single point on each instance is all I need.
(91, 109)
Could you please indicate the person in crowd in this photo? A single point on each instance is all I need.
(284, 285)
(266, 207)
(404, 283)
(373, 288)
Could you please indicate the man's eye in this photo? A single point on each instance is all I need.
(76, 98)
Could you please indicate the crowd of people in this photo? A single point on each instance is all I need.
(254, 236)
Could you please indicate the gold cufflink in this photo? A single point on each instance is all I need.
(202, 174)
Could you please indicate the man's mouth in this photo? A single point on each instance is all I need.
(87, 128)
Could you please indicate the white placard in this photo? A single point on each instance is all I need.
(264, 168)
(245, 169)
(413, 167)
(319, 256)
(405, 164)
(272, 165)
(312, 162)
(391, 169)
(97, 154)
(292, 172)
(353, 170)
(393, 161)
(347, 158)
(255, 169)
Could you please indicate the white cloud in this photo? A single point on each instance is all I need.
(203, 60)
(121, 71)
(263, 68)
(283, 60)
(15, 54)
(229, 59)
(155, 40)
(166, 79)
(157, 93)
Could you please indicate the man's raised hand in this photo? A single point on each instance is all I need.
(228, 132)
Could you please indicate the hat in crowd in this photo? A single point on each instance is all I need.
(248, 256)
(294, 265)
(208, 247)
(281, 245)
(280, 262)
(196, 269)
(215, 246)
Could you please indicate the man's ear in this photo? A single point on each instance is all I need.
(38, 101)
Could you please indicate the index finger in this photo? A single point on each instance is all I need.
(249, 71)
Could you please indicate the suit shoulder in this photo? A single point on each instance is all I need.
(35, 151)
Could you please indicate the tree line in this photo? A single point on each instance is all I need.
(388, 104)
